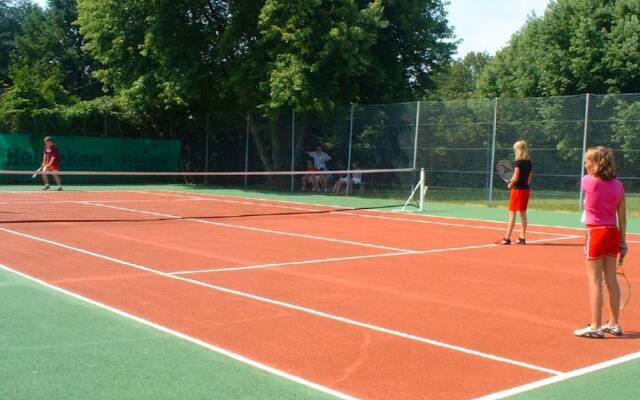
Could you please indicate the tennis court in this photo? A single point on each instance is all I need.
(206, 294)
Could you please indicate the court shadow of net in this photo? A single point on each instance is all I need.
(559, 244)
(627, 335)
(8, 217)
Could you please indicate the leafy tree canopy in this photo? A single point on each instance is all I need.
(458, 80)
(12, 16)
(577, 46)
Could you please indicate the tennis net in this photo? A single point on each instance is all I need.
(148, 196)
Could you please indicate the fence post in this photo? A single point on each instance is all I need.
(493, 149)
(415, 139)
(293, 146)
(246, 153)
(349, 153)
(206, 150)
(584, 143)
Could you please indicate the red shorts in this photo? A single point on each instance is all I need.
(602, 241)
(53, 167)
(519, 199)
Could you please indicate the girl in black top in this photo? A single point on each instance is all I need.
(520, 190)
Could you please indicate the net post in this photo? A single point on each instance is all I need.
(420, 186)
(423, 188)
(584, 144)
(493, 149)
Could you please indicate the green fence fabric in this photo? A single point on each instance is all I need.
(21, 151)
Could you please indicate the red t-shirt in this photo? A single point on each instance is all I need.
(52, 153)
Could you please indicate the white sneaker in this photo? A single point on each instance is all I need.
(589, 332)
(611, 329)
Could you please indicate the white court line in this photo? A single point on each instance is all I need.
(180, 199)
(188, 338)
(261, 266)
(562, 377)
(303, 309)
(351, 258)
(251, 228)
(427, 222)
(210, 195)
(184, 197)
(422, 217)
(82, 201)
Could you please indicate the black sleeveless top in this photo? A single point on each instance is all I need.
(525, 170)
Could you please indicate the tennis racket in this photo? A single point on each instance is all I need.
(623, 283)
(504, 169)
(36, 173)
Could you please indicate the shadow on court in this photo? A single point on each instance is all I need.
(24, 218)
(628, 335)
(557, 244)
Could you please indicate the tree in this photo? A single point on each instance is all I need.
(458, 80)
(409, 51)
(37, 80)
(156, 56)
(578, 46)
(12, 15)
(316, 50)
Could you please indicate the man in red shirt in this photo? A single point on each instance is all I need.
(50, 163)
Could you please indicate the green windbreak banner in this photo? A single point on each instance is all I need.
(20, 151)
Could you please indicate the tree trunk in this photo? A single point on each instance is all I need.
(304, 133)
(260, 146)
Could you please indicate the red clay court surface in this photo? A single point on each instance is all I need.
(371, 304)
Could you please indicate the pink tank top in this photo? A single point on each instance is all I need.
(601, 200)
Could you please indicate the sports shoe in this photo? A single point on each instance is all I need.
(611, 329)
(59, 188)
(589, 332)
(504, 241)
(522, 240)
(46, 188)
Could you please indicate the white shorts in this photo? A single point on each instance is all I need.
(356, 180)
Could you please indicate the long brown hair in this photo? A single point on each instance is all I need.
(604, 160)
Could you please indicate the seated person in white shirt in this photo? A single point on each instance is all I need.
(355, 179)
(341, 181)
(320, 159)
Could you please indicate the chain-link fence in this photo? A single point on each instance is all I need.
(457, 142)
(460, 141)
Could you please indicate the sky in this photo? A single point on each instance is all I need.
(487, 25)
(483, 25)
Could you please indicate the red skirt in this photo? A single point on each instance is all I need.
(602, 241)
(519, 199)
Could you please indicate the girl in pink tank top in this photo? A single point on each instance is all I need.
(606, 219)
